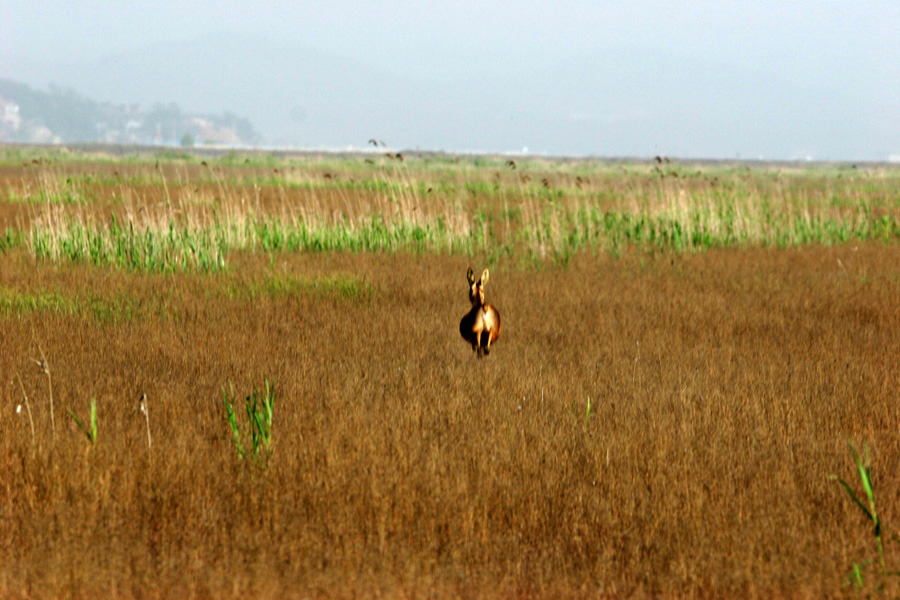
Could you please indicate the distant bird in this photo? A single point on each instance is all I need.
(373, 141)
(511, 164)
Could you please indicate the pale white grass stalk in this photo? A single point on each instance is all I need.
(27, 407)
(541, 376)
(340, 197)
(749, 221)
(411, 203)
(165, 184)
(45, 369)
(219, 180)
(49, 185)
(146, 410)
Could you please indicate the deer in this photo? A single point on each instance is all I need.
(481, 325)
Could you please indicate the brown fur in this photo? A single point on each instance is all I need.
(481, 325)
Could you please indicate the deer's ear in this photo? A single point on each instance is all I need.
(484, 276)
(470, 276)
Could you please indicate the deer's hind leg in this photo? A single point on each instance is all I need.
(485, 341)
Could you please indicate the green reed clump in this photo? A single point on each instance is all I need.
(14, 303)
(259, 408)
(283, 285)
(197, 247)
(11, 238)
(347, 287)
(870, 510)
(818, 230)
(121, 308)
(175, 248)
(90, 429)
(344, 205)
(556, 229)
(374, 234)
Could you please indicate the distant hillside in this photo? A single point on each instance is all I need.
(63, 116)
(611, 101)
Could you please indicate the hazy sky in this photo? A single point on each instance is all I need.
(404, 35)
(851, 47)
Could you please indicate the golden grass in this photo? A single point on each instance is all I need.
(650, 424)
(724, 387)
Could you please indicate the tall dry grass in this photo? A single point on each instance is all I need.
(183, 214)
(723, 389)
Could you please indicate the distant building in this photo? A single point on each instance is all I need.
(28, 115)
(10, 119)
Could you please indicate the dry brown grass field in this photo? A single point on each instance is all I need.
(652, 423)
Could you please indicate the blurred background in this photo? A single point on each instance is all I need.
(734, 80)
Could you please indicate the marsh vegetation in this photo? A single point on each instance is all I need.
(686, 351)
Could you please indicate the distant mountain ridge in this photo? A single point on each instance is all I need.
(613, 101)
(61, 115)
